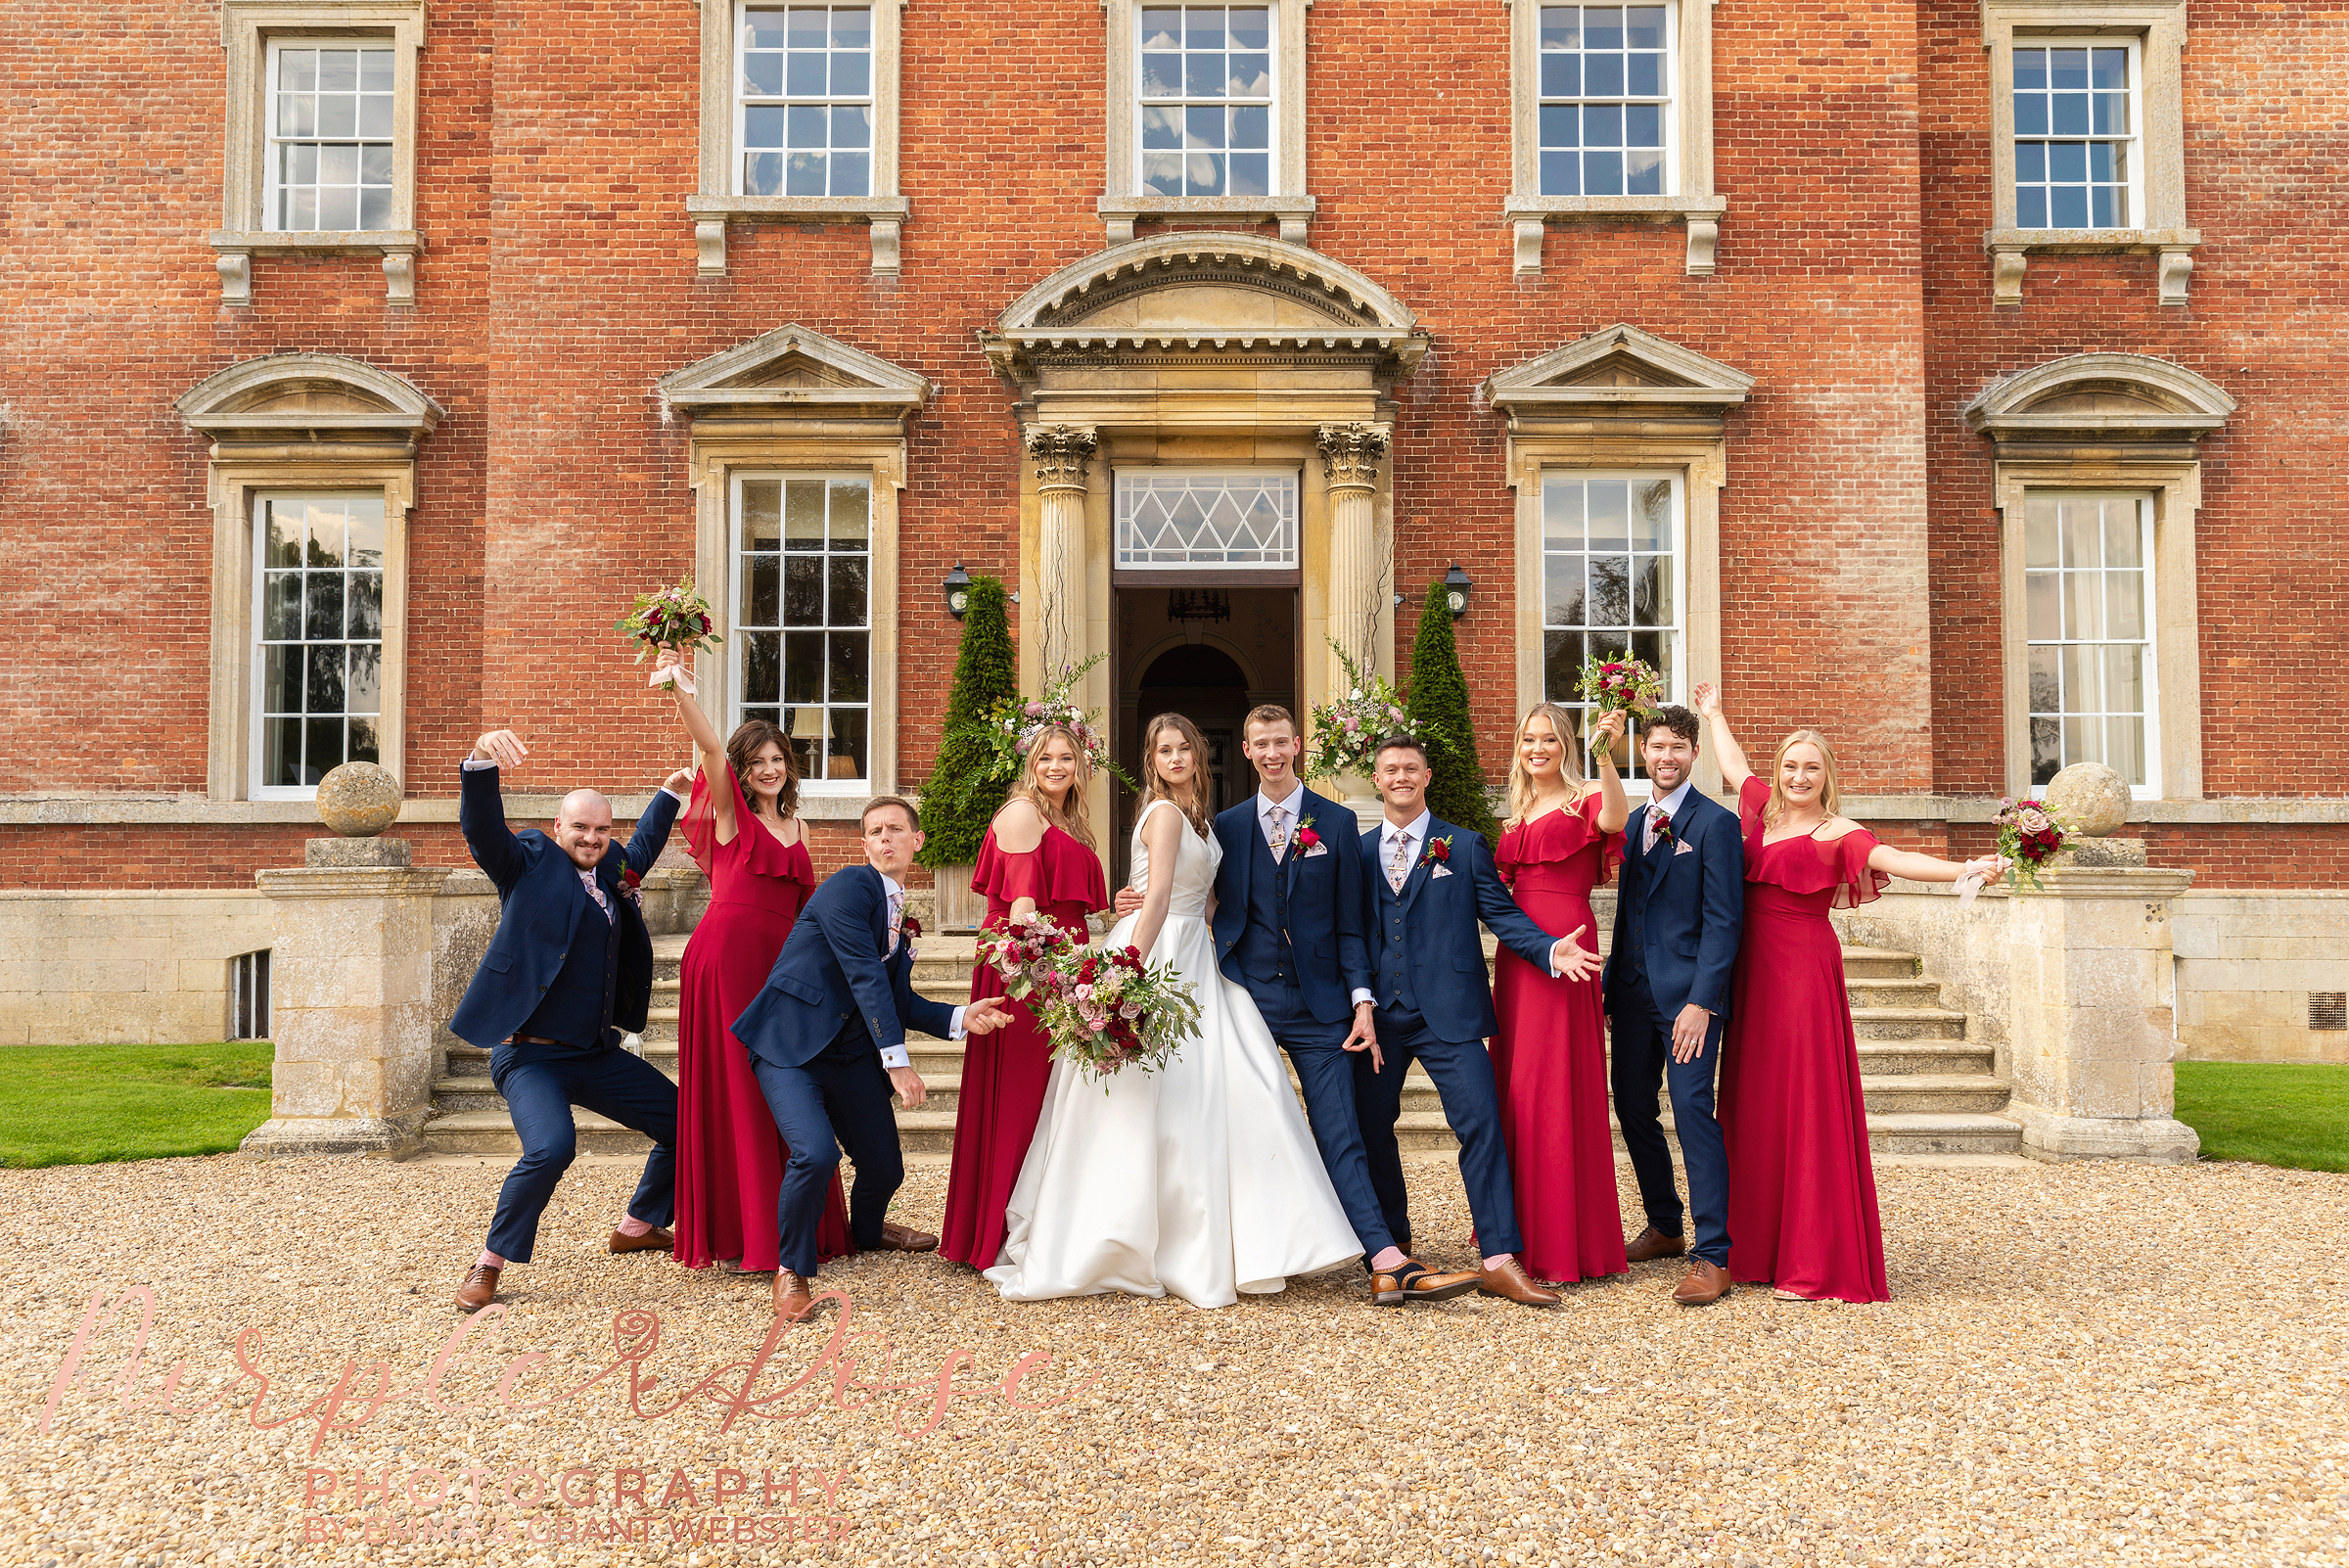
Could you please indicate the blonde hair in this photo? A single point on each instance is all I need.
(1156, 788)
(1776, 811)
(1522, 794)
(1076, 822)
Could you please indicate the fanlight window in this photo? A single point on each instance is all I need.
(1169, 517)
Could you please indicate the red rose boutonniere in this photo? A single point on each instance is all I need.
(631, 887)
(910, 925)
(1306, 839)
(1664, 832)
(1438, 850)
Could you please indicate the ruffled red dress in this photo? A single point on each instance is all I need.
(729, 1155)
(1549, 1058)
(1802, 1186)
(1004, 1074)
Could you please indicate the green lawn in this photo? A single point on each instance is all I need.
(2268, 1113)
(83, 1104)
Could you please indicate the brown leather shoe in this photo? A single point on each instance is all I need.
(1703, 1284)
(1415, 1281)
(1507, 1280)
(793, 1303)
(478, 1290)
(904, 1238)
(653, 1240)
(1652, 1243)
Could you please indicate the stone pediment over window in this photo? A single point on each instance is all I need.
(2102, 399)
(1196, 300)
(1617, 371)
(316, 398)
(794, 372)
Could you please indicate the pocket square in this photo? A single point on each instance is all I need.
(1318, 848)
(1437, 871)
(1682, 847)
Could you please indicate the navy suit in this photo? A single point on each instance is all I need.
(1290, 933)
(835, 999)
(1435, 1005)
(1678, 916)
(559, 969)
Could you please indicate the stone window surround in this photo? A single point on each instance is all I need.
(2142, 450)
(715, 204)
(2160, 27)
(1124, 201)
(1692, 201)
(256, 450)
(247, 28)
(1677, 428)
(849, 413)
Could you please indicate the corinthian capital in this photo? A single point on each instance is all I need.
(1351, 454)
(1060, 454)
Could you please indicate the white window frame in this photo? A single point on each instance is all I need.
(1667, 102)
(257, 500)
(719, 202)
(1183, 101)
(2151, 665)
(1121, 475)
(1126, 200)
(737, 637)
(1689, 190)
(2135, 141)
(1676, 689)
(274, 188)
(744, 100)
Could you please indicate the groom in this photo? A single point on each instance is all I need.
(827, 1044)
(1677, 919)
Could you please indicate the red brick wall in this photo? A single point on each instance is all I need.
(1859, 552)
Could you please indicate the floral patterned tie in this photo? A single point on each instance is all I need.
(1280, 831)
(1400, 866)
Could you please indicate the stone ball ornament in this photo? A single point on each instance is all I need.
(358, 800)
(2091, 798)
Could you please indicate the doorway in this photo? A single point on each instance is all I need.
(1210, 653)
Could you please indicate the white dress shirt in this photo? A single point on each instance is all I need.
(1670, 806)
(1295, 807)
(896, 1056)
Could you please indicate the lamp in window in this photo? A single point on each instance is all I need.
(958, 593)
(807, 737)
(1457, 589)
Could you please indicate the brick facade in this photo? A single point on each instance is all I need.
(1859, 573)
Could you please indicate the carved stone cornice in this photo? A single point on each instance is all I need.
(1061, 453)
(1351, 454)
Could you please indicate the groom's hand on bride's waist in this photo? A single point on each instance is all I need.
(1128, 901)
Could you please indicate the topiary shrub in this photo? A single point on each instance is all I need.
(1438, 700)
(956, 810)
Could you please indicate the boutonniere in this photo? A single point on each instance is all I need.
(1308, 841)
(1664, 832)
(632, 885)
(1438, 850)
(910, 925)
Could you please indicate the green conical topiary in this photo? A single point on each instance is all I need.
(1438, 700)
(955, 812)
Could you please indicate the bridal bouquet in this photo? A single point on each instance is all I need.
(1347, 730)
(674, 617)
(1027, 955)
(1102, 1008)
(2029, 835)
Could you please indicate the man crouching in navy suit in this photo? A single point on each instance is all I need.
(827, 1041)
(1427, 886)
(569, 971)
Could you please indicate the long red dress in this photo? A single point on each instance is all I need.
(1549, 1058)
(729, 1155)
(1004, 1074)
(1802, 1188)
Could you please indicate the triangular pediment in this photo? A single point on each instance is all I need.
(796, 367)
(319, 396)
(2107, 395)
(1619, 364)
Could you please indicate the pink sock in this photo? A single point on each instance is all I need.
(631, 1226)
(1389, 1260)
(1496, 1263)
(490, 1260)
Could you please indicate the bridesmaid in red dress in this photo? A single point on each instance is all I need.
(1038, 854)
(1550, 1059)
(743, 831)
(1801, 1187)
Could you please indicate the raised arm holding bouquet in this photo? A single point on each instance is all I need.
(677, 619)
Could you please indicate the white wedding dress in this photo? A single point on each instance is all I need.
(1201, 1178)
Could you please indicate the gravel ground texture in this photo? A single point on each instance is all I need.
(2084, 1363)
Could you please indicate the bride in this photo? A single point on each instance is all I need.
(1200, 1178)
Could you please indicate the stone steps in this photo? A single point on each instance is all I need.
(1929, 1091)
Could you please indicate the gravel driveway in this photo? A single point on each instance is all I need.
(2082, 1365)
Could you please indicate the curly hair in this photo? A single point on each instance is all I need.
(1077, 820)
(747, 741)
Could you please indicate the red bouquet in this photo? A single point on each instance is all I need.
(2029, 835)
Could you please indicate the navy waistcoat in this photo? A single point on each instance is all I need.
(576, 1008)
(1395, 988)
(1263, 949)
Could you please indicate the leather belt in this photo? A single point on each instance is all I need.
(534, 1040)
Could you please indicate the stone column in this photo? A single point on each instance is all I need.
(1350, 459)
(350, 1000)
(1062, 453)
(2093, 1029)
